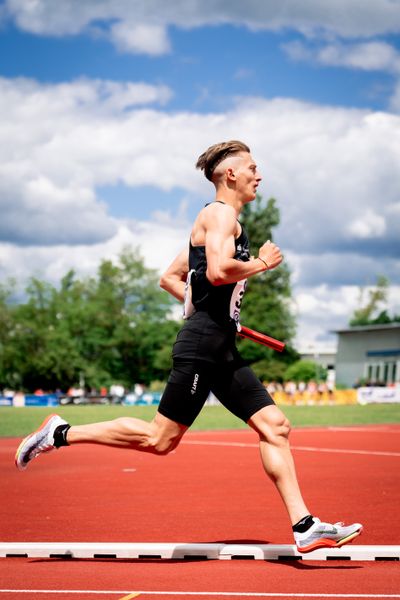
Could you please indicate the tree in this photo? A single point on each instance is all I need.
(367, 311)
(7, 375)
(266, 304)
(305, 370)
(112, 327)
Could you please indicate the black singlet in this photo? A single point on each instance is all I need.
(221, 302)
(205, 357)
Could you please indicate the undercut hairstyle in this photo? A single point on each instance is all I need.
(215, 154)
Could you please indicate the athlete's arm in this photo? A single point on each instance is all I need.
(173, 280)
(222, 268)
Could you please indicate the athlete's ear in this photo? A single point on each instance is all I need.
(230, 173)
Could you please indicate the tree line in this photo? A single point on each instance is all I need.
(111, 327)
(118, 325)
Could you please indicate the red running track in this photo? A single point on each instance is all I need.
(212, 489)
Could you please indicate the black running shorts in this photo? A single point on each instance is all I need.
(205, 359)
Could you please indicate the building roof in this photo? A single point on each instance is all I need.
(316, 348)
(361, 328)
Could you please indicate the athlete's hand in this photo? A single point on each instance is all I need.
(271, 254)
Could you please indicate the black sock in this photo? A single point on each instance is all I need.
(304, 524)
(60, 435)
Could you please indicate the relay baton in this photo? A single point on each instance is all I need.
(261, 338)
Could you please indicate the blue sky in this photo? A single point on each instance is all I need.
(105, 107)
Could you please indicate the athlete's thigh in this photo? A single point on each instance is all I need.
(238, 388)
(187, 390)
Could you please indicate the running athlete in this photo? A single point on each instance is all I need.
(209, 277)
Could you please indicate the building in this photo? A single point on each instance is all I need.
(323, 354)
(368, 353)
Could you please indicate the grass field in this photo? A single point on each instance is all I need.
(15, 422)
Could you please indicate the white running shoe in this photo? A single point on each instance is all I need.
(41, 440)
(326, 535)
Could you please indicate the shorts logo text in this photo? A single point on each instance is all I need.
(194, 384)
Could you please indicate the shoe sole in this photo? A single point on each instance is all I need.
(21, 466)
(327, 543)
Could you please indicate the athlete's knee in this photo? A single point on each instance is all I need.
(163, 445)
(163, 441)
(271, 425)
(282, 426)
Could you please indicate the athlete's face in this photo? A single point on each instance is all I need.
(248, 177)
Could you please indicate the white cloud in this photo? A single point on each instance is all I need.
(22, 262)
(38, 211)
(324, 309)
(334, 172)
(56, 144)
(146, 39)
(69, 17)
(368, 225)
(368, 56)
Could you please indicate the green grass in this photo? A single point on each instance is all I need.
(15, 422)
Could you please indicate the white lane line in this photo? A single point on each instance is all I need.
(217, 443)
(216, 594)
(385, 429)
(344, 451)
(305, 448)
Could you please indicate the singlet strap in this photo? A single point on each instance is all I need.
(213, 202)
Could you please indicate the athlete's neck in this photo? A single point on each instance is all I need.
(235, 204)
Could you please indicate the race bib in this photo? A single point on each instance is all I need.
(236, 301)
(188, 307)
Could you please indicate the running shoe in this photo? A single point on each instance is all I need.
(326, 535)
(41, 440)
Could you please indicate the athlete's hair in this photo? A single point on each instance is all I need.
(215, 154)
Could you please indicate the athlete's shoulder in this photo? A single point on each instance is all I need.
(218, 213)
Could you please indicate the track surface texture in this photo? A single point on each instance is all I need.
(211, 489)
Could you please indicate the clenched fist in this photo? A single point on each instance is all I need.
(270, 254)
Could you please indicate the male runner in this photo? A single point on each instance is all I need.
(210, 278)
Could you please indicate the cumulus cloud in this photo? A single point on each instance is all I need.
(146, 39)
(55, 142)
(38, 211)
(345, 269)
(368, 56)
(334, 172)
(367, 226)
(153, 17)
(324, 309)
(22, 262)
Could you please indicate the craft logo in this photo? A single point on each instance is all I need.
(194, 385)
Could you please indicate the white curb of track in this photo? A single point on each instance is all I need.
(182, 551)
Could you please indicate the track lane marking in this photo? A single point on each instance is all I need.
(216, 594)
(303, 448)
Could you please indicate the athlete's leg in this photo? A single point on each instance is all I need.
(181, 402)
(238, 388)
(183, 398)
(273, 430)
(159, 436)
